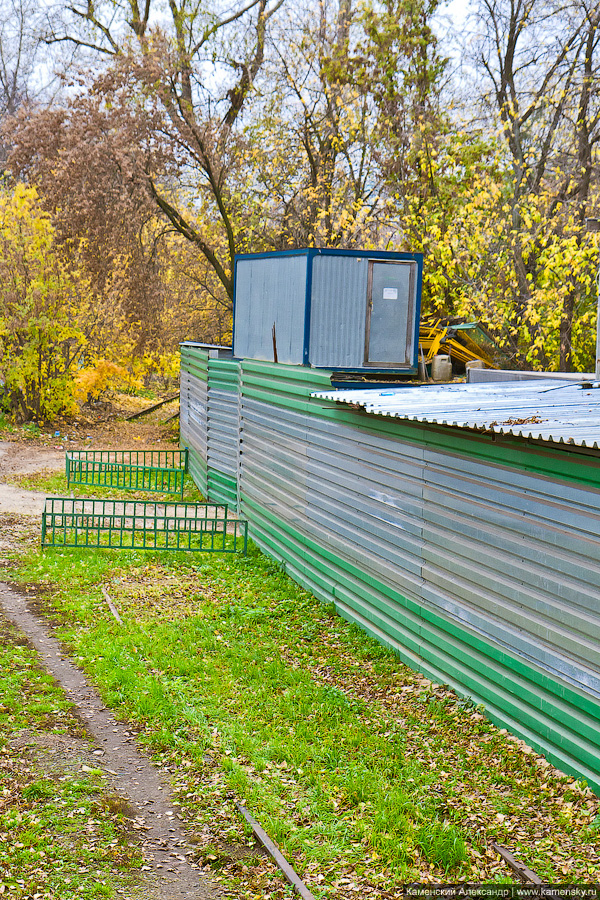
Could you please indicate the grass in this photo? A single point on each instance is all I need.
(213, 677)
(54, 484)
(442, 844)
(366, 774)
(55, 840)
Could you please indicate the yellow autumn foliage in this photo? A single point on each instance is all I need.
(101, 378)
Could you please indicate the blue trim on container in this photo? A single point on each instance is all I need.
(308, 306)
(364, 385)
(269, 254)
(314, 251)
(369, 370)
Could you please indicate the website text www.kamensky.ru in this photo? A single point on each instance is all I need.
(502, 891)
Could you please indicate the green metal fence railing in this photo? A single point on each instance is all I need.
(156, 471)
(141, 524)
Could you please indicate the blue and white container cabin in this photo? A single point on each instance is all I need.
(354, 310)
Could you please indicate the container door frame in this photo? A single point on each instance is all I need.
(412, 303)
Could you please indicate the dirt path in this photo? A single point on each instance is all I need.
(22, 459)
(136, 784)
(147, 799)
(19, 457)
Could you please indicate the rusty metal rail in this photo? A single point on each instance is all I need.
(518, 868)
(276, 855)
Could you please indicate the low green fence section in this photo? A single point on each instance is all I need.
(155, 471)
(142, 525)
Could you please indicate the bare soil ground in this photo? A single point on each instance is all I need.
(24, 459)
(21, 454)
(137, 789)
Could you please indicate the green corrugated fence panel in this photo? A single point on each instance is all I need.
(224, 374)
(194, 362)
(194, 378)
(287, 386)
(198, 470)
(193, 367)
(223, 428)
(194, 357)
(515, 695)
(221, 488)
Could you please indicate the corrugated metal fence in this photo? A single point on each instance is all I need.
(475, 560)
(193, 416)
(223, 430)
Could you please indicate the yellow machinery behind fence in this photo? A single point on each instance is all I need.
(461, 341)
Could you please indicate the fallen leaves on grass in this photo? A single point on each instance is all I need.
(228, 666)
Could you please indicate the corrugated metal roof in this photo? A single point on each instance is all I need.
(552, 411)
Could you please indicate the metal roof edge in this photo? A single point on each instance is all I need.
(564, 414)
